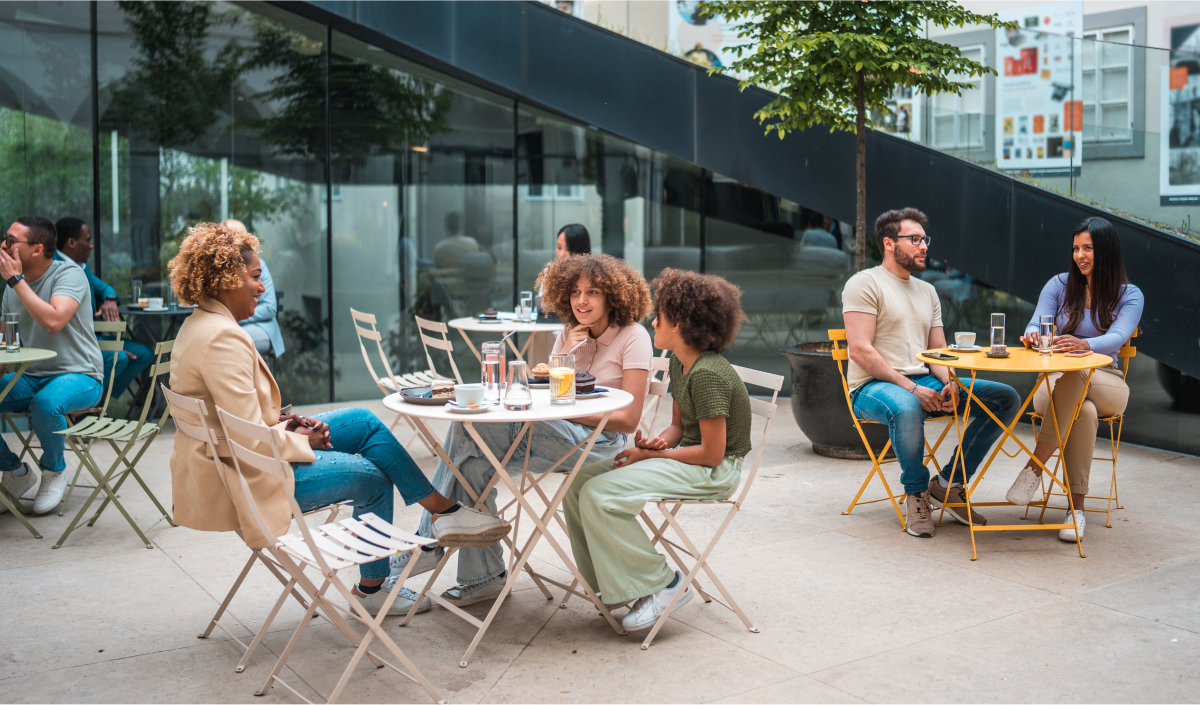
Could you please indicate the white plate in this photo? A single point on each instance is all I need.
(164, 308)
(539, 385)
(451, 406)
(488, 320)
(973, 348)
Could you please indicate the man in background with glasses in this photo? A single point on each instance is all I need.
(54, 302)
(75, 244)
(891, 316)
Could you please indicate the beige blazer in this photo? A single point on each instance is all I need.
(214, 360)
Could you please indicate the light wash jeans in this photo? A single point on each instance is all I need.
(550, 441)
(886, 403)
(365, 462)
(48, 400)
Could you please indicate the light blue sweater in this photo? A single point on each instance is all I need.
(1128, 315)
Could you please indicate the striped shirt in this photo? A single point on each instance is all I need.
(606, 358)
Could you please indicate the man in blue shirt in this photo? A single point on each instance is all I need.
(75, 245)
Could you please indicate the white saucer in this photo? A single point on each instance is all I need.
(164, 308)
(970, 348)
(453, 406)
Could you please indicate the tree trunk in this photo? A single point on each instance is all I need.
(860, 176)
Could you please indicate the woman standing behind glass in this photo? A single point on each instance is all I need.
(1097, 309)
(573, 239)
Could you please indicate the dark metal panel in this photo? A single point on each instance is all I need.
(345, 8)
(813, 167)
(617, 85)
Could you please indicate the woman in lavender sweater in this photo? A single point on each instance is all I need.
(1097, 309)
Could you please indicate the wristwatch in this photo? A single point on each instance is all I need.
(12, 281)
(110, 298)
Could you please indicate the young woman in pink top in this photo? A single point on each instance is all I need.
(601, 299)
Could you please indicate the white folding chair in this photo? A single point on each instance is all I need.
(443, 343)
(364, 325)
(196, 408)
(330, 548)
(670, 508)
(658, 390)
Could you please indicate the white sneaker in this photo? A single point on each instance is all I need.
(1023, 488)
(647, 610)
(1069, 534)
(18, 486)
(463, 595)
(50, 492)
(426, 561)
(402, 604)
(469, 528)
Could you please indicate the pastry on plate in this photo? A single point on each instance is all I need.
(540, 372)
(489, 314)
(442, 389)
(584, 383)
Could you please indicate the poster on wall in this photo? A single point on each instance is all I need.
(702, 40)
(1039, 106)
(1179, 157)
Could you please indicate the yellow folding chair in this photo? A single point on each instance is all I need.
(1112, 499)
(842, 355)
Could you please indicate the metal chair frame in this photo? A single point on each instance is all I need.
(364, 326)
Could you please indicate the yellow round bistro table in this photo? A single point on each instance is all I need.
(22, 357)
(1020, 359)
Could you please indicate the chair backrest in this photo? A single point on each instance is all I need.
(177, 403)
(364, 325)
(238, 434)
(1126, 352)
(116, 346)
(157, 369)
(658, 389)
(759, 407)
(442, 343)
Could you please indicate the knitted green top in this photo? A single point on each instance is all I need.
(712, 388)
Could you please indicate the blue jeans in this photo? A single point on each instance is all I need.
(127, 368)
(48, 400)
(366, 461)
(551, 441)
(900, 409)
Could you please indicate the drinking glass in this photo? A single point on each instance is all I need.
(526, 310)
(491, 355)
(170, 298)
(135, 291)
(998, 347)
(1046, 335)
(12, 332)
(562, 379)
(518, 397)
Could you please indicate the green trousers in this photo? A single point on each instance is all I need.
(612, 550)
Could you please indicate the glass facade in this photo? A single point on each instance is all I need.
(384, 186)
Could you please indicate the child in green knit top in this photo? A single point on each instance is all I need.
(699, 456)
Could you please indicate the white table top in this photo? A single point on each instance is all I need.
(504, 325)
(612, 400)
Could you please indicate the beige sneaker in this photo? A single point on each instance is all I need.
(1024, 487)
(469, 528)
(918, 522)
(954, 495)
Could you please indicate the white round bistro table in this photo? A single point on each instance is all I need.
(542, 410)
(503, 327)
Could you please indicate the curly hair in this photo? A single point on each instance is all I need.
(211, 259)
(625, 290)
(707, 308)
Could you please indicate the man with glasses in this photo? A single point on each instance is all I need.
(891, 316)
(54, 302)
(75, 244)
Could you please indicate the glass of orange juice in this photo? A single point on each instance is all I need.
(562, 379)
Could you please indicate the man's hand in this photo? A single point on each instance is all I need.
(930, 400)
(656, 443)
(108, 310)
(1031, 340)
(1067, 343)
(9, 266)
(949, 397)
(629, 457)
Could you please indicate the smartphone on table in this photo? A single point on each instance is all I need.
(939, 355)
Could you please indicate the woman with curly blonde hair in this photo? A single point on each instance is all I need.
(341, 455)
(601, 299)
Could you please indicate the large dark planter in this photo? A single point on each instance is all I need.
(819, 404)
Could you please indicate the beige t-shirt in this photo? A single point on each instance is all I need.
(905, 311)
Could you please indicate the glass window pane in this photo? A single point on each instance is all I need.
(1089, 122)
(945, 103)
(1087, 53)
(1114, 54)
(1114, 84)
(972, 101)
(1089, 86)
(943, 131)
(1115, 122)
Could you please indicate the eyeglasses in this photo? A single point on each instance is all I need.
(916, 240)
(10, 241)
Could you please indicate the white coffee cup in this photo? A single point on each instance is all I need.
(964, 340)
(468, 395)
(154, 303)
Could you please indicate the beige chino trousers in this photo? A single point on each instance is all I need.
(1107, 396)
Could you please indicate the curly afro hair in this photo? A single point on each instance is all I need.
(707, 308)
(211, 259)
(625, 290)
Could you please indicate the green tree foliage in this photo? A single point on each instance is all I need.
(45, 167)
(834, 63)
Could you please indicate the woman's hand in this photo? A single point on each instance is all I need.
(1067, 343)
(657, 443)
(317, 439)
(577, 335)
(629, 457)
